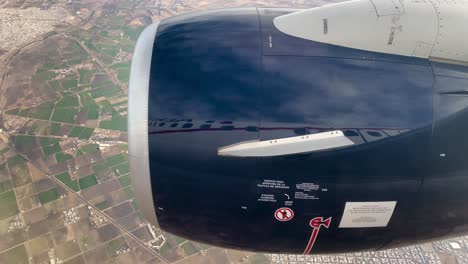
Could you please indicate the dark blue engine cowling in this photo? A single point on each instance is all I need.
(227, 76)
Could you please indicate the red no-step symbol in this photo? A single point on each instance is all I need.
(284, 214)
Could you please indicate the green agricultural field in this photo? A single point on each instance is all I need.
(87, 100)
(179, 240)
(65, 115)
(121, 169)
(5, 186)
(107, 108)
(81, 88)
(116, 123)
(65, 178)
(81, 132)
(89, 105)
(62, 157)
(85, 75)
(86, 133)
(121, 65)
(25, 112)
(90, 148)
(73, 185)
(93, 113)
(78, 51)
(38, 127)
(16, 160)
(100, 166)
(54, 85)
(44, 75)
(43, 111)
(189, 248)
(103, 205)
(15, 111)
(54, 128)
(48, 196)
(17, 255)
(88, 181)
(125, 181)
(104, 33)
(90, 45)
(52, 149)
(101, 83)
(8, 206)
(108, 91)
(76, 131)
(46, 141)
(123, 75)
(32, 130)
(108, 50)
(127, 46)
(69, 84)
(25, 142)
(116, 159)
(133, 33)
(68, 101)
(135, 205)
(55, 66)
(77, 61)
(4, 170)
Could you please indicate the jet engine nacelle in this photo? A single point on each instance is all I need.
(244, 136)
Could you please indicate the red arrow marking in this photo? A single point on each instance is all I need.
(312, 239)
(316, 223)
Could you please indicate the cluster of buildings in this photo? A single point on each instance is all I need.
(31, 22)
(122, 57)
(17, 223)
(158, 238)
(97, 220)
(62, 73)
(71, 216)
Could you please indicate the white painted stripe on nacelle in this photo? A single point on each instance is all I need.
(287, 146)
(407, 28)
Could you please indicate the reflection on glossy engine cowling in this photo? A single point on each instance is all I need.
(225, 77)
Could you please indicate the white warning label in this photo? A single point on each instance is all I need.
(267, 198)
(304, 196)
(307, 187)
(367, 214)
(273, 184)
